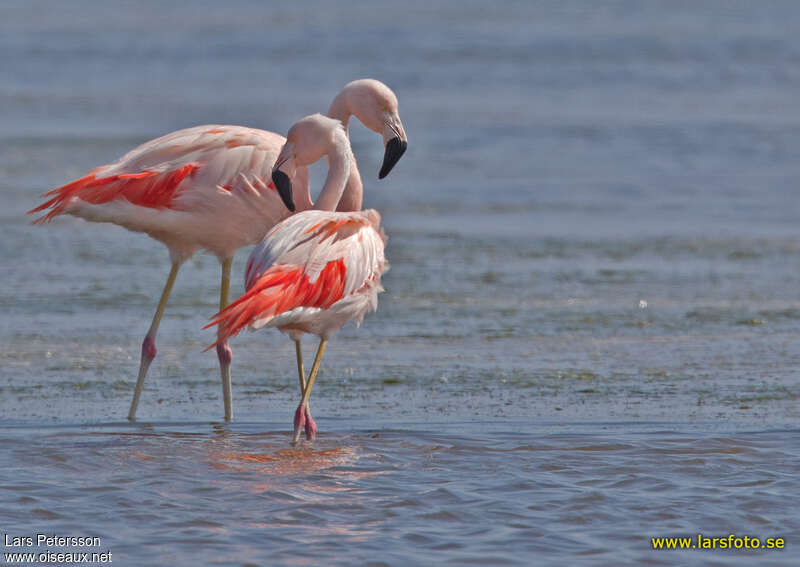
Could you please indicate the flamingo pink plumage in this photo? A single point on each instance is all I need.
(316, 270)
(208, 187)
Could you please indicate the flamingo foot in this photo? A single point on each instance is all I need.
(299, 423)
(311, 426)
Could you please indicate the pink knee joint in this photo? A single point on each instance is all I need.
(224, 353)
(149, 348)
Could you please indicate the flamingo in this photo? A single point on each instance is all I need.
(316, 270)
(204, 188)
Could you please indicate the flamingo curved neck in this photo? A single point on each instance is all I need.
(353, 194)
(340, 110)
(339, 160)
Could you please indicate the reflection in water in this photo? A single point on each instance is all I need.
(284, 461)
(484, 494)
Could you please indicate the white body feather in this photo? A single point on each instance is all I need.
(224, 205)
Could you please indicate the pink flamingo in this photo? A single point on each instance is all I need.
(207, 188)
(316, 270)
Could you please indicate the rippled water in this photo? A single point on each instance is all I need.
(591, 330)
(462, 493)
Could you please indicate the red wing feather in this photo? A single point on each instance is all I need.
(150, 189)
(281, 289)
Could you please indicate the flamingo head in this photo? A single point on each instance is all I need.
(308, 140)
(375, 105)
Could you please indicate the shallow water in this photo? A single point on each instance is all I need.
(461, 493)
(591, 326)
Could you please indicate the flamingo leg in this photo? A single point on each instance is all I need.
(311, 428)
(300, 370)
(302, 418)
(224, 352)
(149, 343)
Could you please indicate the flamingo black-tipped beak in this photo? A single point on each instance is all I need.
(284, 186)
(395, 148)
